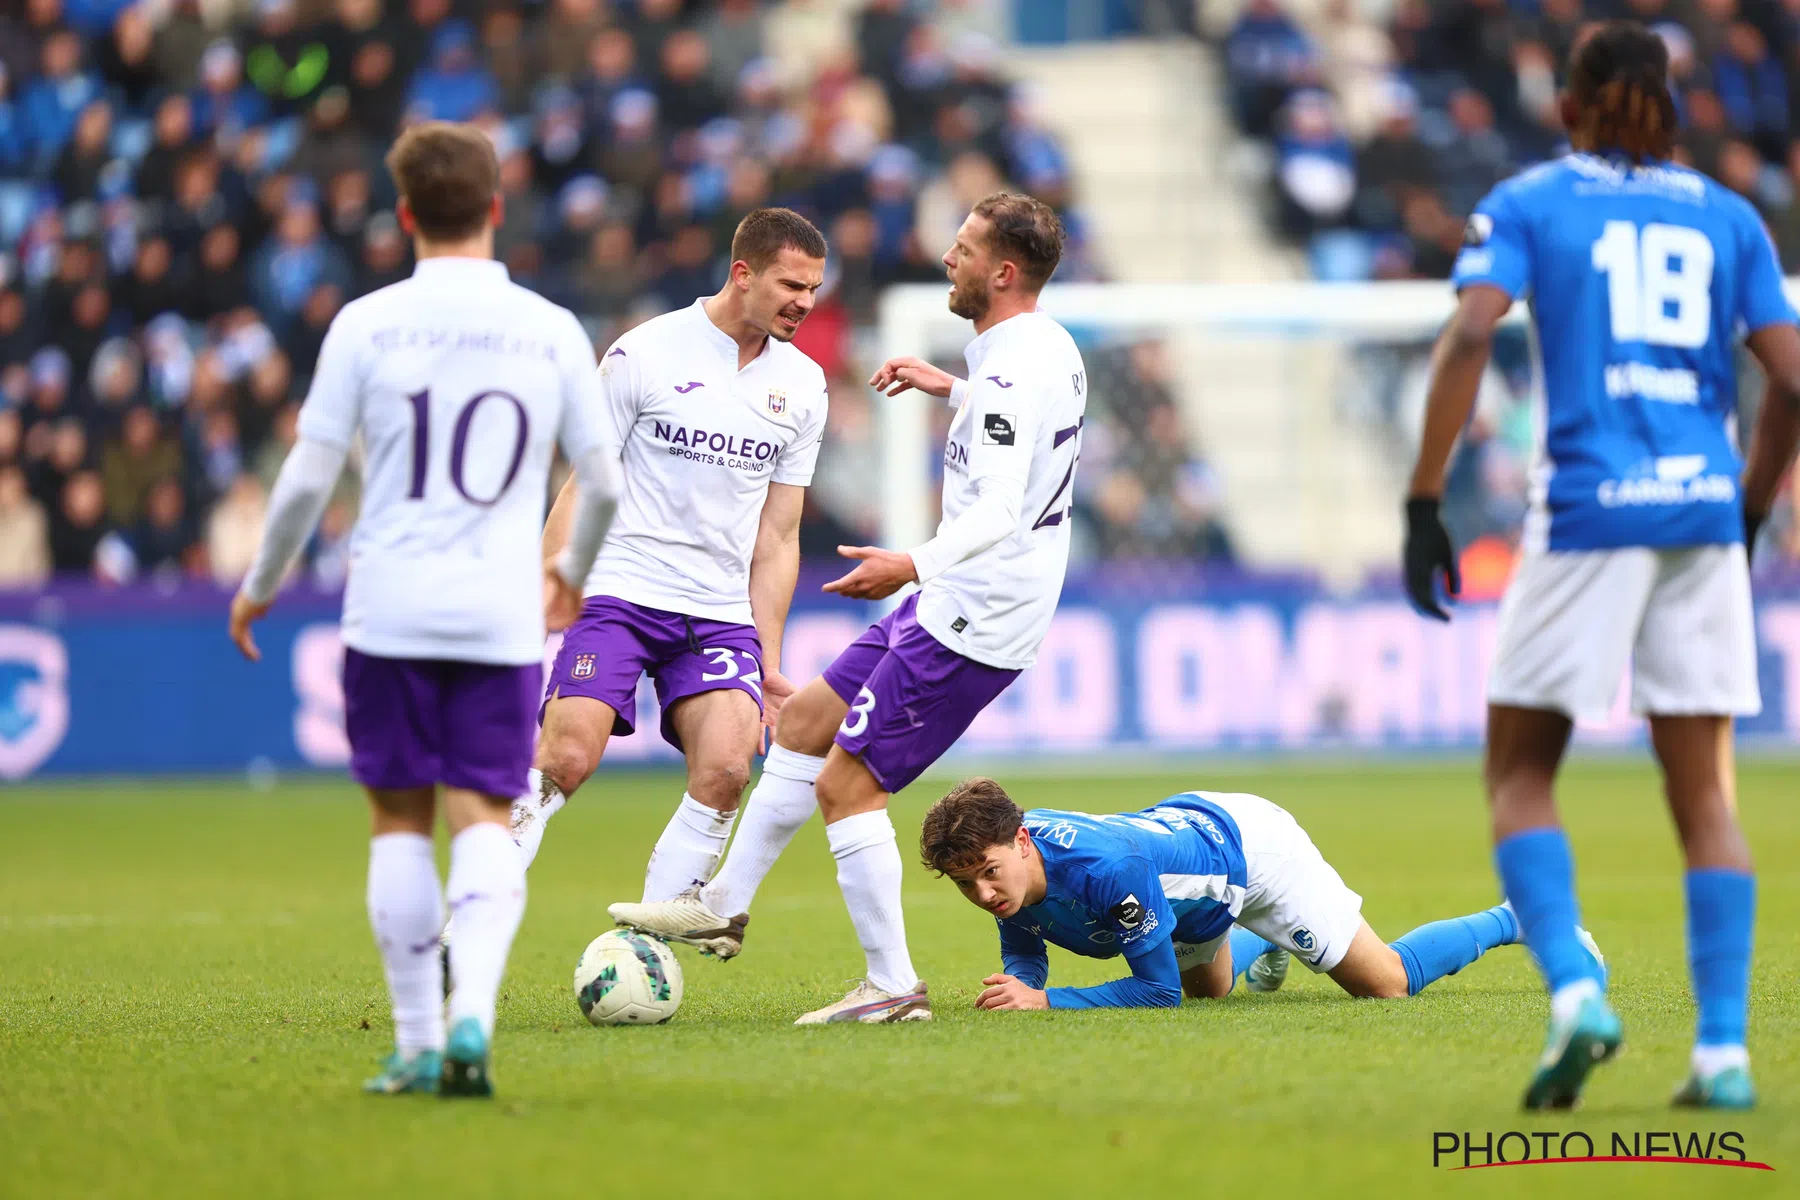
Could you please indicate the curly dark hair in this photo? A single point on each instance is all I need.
(1619, 92)
(961, 828)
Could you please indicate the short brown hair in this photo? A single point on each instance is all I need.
(961, 828)
(447, 174)
(1024, 231)
(766, 232)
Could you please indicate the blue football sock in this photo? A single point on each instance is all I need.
(1721, 908)
(1245, 946)
(1538, 872)
(1442, 948)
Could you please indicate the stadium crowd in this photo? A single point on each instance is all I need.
(1384, 122)
(191, 189)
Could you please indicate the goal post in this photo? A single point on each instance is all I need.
(915, 319)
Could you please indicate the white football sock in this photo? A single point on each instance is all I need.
(532, 811)
(688, 850)
(782, 802)
(868, 859)
(406, 911)
(1567, 1000)
(487, 898)
(1710, 1060)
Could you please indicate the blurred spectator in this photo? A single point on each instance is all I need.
(235, 529)
(190, 190)
(1266, 57)
(51, 104)
(454, 86)
(133, 462)
(162, 540)
(24, 533)
(1315, 171)
(79, 524)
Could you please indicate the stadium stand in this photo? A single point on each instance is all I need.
(191, 189)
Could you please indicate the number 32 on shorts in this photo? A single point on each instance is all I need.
(724, 658)
(857, 719)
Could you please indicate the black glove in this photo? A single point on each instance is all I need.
(1428, 551)
(1753, 523)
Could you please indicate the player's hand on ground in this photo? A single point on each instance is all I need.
(896, 375)
(1004, 992)
(244, 613)
(562, 601)
(879, 575)
(776, 688)
(1427, 554)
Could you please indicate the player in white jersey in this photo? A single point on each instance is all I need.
(719, 419)
(902, 694)
(461, 385)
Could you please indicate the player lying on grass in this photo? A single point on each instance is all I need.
(1163, 887)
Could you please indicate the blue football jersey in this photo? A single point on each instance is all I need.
(1640, 278)
(1126, 883)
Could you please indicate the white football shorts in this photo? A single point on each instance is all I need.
(1292, 896)
(1572, 620)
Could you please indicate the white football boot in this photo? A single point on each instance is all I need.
(870, 1005)
(685, 919)
(1268, 970)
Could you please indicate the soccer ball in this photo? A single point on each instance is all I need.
(627, 978)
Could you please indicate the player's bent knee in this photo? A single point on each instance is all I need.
(718, 785)
(566, 759)
(810, 719)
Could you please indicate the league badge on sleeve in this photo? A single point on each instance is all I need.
(1478, 230)
(777, 402)
(1128, 913)
(999, 429)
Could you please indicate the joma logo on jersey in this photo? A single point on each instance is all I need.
(999, 381)
(690, 385)
(777, 402)
(583, 668)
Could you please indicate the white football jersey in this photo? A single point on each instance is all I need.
(1021, 418)
(700, 442)
(461, 383)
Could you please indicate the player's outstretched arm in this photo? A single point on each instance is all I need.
(1457, 363)
(301, 490)
(902, 374)
(774, 571)
(1777, 432)
(1154, 982)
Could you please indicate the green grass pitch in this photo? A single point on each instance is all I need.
(189, 997)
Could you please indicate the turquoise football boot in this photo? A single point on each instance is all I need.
(1575, 1047)
(1730, 1088)
(400, 1075)
(466, 1061)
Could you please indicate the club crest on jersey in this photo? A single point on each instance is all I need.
(1304, 939)
(777, 401)
(999, 429)
(583, 668)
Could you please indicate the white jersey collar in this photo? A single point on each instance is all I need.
(977, 349)
(469, 269)
(721, 341)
